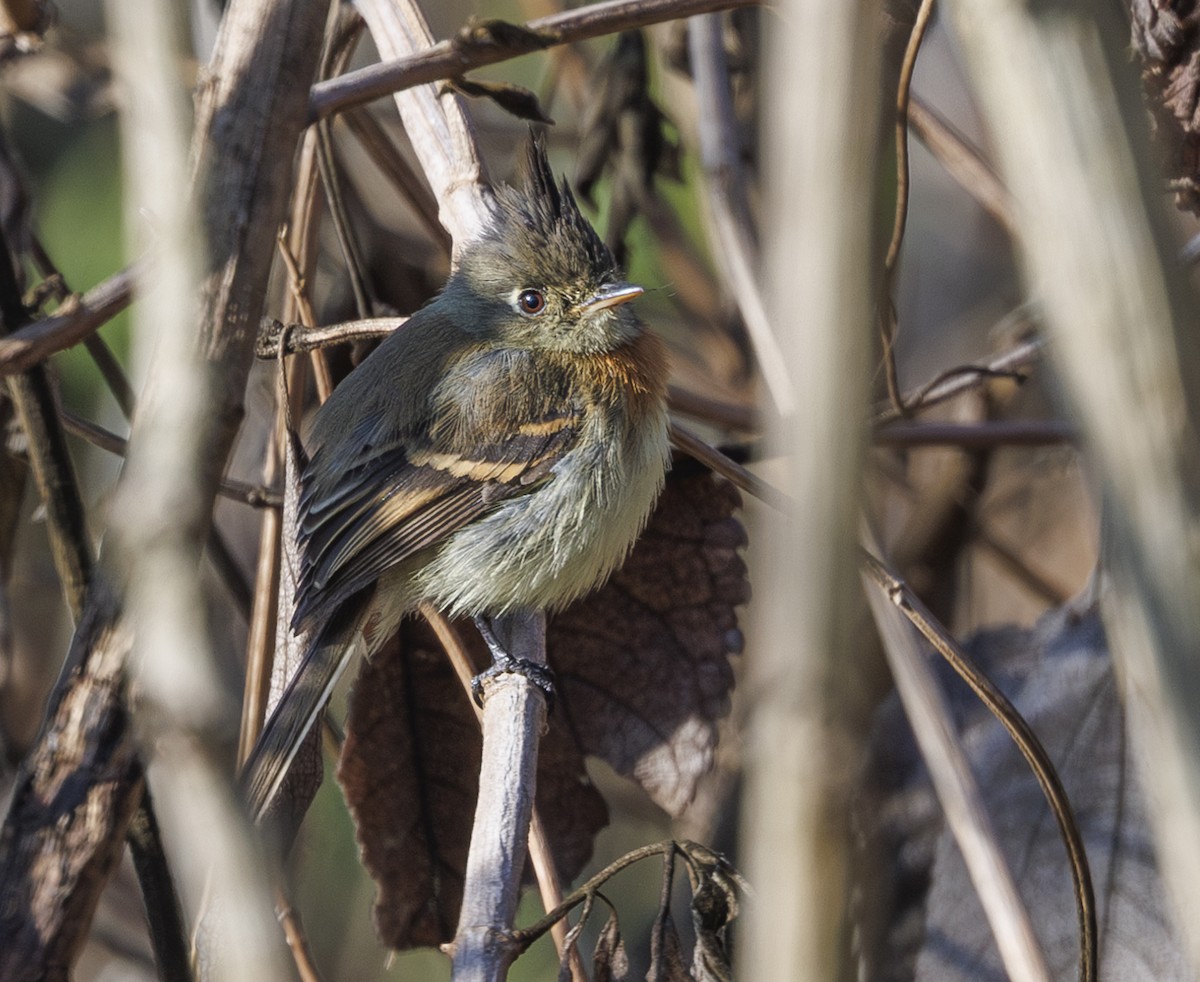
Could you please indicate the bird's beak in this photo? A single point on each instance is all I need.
(612, 296)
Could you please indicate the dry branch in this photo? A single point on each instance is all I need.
(163, 512)
(73, 798)
(251, 110)
(82, 317)
(468, 50)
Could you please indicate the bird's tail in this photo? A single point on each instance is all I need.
(298, 708)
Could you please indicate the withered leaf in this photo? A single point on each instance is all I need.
(666, 953)
(610, 963)
(624, 131)
(410, 773)
(512, 98)
(496, 33)
(712, 911)
(643, 663)
(1165, 36)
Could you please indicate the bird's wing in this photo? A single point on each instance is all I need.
(411, 493)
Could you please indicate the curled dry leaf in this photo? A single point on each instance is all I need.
(666, 953)
(1166, 38)
(623, 131)
(610, 963)
(714, 906)
(495, 33)
(643, 676)
(516, 100)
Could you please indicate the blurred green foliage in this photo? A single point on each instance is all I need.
(75, 183)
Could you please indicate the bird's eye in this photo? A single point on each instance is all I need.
(531, 302)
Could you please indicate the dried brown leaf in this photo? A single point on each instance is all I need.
(623, 131)
(610, 963)
(666, 953)
(1166, 37)
(496, 33)
(410, 770)
(1059, 676)
(714, 906)
(512, 98)
(643, 663)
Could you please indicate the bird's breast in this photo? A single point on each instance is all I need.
(548, 547)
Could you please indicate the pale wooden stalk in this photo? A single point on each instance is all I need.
(805, 740)
(437, 125)
(514, 715)
(253, 95)
(1066, 122)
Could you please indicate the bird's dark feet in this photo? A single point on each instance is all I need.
(502, 662)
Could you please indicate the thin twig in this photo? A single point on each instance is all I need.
(168, 935)
(84, 316)
(728, 468)
(301, 338)
(296, 937)
(110, 368)
(978, 436)
(253, 495)
(1010, 363)
(886, 304)
(726, 414)
(49, 458)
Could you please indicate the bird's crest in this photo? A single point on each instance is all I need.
(545, 215)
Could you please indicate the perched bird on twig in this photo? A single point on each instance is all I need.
(500, 452)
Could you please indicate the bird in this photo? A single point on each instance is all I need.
(499, 452)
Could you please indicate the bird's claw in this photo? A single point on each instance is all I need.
(535, 672)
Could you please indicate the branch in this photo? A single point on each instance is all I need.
(249, 117)
(253, 97)
(473, 49)
(82, 318)
(72, 801)
(729, 228)
(977, 436)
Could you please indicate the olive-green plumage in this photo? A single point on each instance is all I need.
(501, 450)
